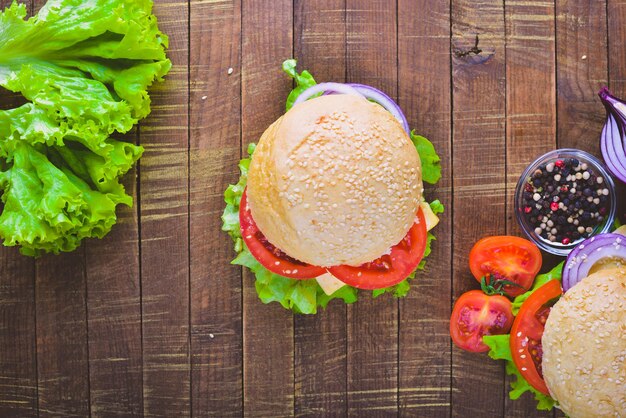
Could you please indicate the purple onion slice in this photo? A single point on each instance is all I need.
(589, 252)
(339, 88)
(385, 101)
(613, 138)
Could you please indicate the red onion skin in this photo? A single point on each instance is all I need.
(612, 142)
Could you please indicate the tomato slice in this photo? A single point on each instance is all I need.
(391, 268)
(506, 258)
(527, 331)
(271, 257)
(475, 315)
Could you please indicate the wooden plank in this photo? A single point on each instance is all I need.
(164, 216)
(478, 77)
(215, 113)
(424, 96)
(18, 356)
(372, 323)
(267, 330)
(114, 314)
(531, 115)
(62, 352)
(62, 344)
(582, 68)
(616, 14)
(320, 340)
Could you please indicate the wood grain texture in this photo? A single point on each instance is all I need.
(372, 323)
(582, 68)
(154, 320)
(62, 352)
(267, 40)
(215, 109)
(164, 217)
(114, 314)
(18, 356)
(320, 341)
(479, 154)
(424, 96)
(531, 118)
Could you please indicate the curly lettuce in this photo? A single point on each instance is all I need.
(84, 68)
(500, 348)
(306, 296)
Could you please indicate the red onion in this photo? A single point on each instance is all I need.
(339, 88)
(582, 258)
(613, 138)
(361, 90)
(383, 100)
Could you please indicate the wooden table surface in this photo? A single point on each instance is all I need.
(154, 320)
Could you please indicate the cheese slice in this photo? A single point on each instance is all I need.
(329, 283)
(431, 219)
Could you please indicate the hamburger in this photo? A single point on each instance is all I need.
(331, 200)
(567, 344)
(584, 347)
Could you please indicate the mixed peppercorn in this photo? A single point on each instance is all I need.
(565, 200)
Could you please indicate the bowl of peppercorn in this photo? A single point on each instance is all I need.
(563, 198)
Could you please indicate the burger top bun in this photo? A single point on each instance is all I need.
(584, 347)
(336, 180)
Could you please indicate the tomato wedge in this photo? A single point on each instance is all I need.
(475, 315)
(271, 257)
(391, 268)
(506, 258)
(527, 331)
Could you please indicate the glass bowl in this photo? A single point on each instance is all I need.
(556, 247)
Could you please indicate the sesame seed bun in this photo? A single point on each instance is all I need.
(336, 180)
(584, 347)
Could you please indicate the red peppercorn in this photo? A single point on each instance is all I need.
(529, 188)
(565, 241)
(554, 206)
(564, 188)
(528, 209)
(559, 163)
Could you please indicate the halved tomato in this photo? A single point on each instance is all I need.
(475, 315)
(508, 258)
(391, 268)
(271, 257)
(527, 331)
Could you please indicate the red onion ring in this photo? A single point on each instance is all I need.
(582, 258)
(339, 88)
(385, 101)
(610, 151)
(360, 90)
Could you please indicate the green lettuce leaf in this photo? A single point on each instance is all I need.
(540, 280)
(499, 349)
(431, 163)
(303, 80)
(84, 69)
